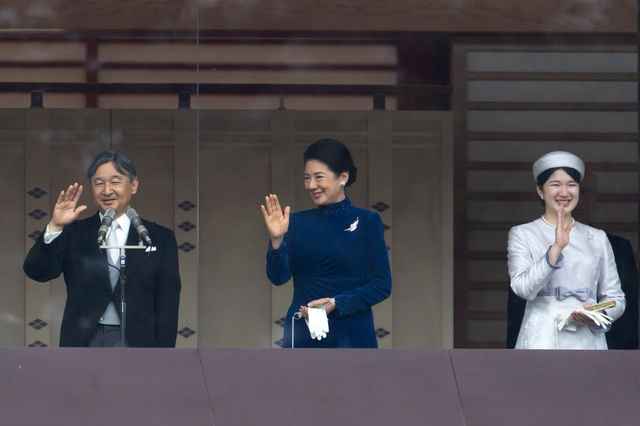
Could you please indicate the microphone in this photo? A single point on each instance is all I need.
(137, 222)
(109, 214)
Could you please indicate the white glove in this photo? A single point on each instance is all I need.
(318, 323)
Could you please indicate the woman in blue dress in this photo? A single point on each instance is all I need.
(335, 253)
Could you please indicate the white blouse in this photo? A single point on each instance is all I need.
(587, 264)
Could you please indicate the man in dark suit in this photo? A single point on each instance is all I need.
(624, 331)
(92, 314)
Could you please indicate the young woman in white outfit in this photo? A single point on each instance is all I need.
(561, 266)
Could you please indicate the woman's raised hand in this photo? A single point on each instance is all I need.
(562, 236)
(276, 220)
(562, 229)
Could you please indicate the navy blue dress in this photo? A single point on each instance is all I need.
(334, 251)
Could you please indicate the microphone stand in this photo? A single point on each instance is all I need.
(121, 280)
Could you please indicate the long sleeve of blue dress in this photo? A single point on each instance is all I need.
(335, 251)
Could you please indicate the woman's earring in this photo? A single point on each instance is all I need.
(541, 197)
(342, 184)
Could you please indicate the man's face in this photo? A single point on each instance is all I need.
(112, 189)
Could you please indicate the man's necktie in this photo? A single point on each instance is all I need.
(113, 255)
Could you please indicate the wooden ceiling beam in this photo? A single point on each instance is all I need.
(309, 16)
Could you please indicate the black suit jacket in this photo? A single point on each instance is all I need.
(152, 284)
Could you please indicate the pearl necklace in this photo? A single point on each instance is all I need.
(553, 226)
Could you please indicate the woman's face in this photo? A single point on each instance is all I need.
(323, 184)
(560, 190)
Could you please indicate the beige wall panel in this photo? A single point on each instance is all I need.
(38, 51)
(12, 250)
(149, 101)
(149, 52)
(374, 53)
(14, 100)
(380, 191)
(243, 156)
(298, 77)
(552, 91)
(535, 59)
(163, 146)
(186, 217)
(51, 100)
(235, 294)
(40, 330)
(48, 74)
(148, 76)
(60, 146)
(284, 182)
(64, 100)
(419, 253)
(292, 102)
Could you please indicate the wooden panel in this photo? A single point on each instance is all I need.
(60, 145)
(308, 15)
(237, 159)
(423, 261)
(403, 160)
(163, 146)
(235, 295)
(12, 211)
(521, 102)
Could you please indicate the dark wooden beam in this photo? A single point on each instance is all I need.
(525, 16)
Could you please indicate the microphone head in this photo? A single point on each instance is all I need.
(137, 223)
(131, 213)
(110, 212)
(135, 219)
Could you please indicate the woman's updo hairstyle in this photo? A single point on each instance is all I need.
(335, 155)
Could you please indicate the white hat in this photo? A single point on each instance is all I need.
(557, 159)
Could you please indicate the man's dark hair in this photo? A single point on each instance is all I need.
(121, 162)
